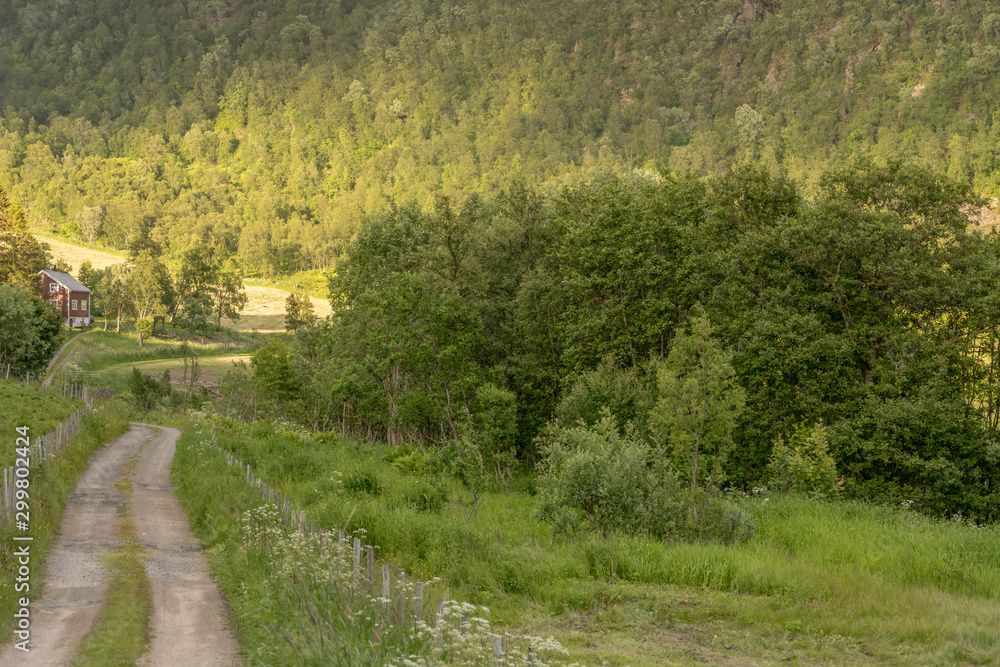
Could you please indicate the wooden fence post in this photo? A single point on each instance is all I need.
(418, 602)
(357, 560)
(440, 613)
(497, 647)
(371, 567)
(402, 596)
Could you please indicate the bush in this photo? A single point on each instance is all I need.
(147, 390)
(362, 480)
(599, 477)
(612, 482)
(608, 387)
(425, 497)
(413, 463)
(804, 464)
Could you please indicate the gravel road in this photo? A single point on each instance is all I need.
(189, 623)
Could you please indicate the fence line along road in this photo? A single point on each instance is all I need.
(46, 446)
(399, 604)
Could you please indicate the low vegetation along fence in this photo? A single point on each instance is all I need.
(47, 445)
(399, 601)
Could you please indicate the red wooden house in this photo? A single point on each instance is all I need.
(69, 295)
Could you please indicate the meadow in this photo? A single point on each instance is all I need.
(820, 583)
(311, 282)
(75, 255)
(265, 310)
(29, 405)
(100, 350)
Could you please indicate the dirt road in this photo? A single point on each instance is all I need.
(188, 623)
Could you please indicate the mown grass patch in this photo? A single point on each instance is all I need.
(100, 349)
(826, 582)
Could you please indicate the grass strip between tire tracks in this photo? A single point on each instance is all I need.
(121, 633)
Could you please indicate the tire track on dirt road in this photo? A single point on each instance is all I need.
(189, 623)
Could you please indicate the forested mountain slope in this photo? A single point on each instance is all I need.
(267, 128)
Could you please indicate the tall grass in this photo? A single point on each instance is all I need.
(871, 577)
(32, 406)
(297, 602)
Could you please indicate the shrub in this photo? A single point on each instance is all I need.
(425, 497)
(804, 464)
(147, 390)
(608, 387)
(600, 478)
(413, 463)
(362, 480)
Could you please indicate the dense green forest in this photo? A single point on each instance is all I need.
(266, 129)
(850, 340)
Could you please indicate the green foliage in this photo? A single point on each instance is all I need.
(272, 374)
(413, 463)
(614, 483)
(877, 577)
(21, 256)
(362, 480)
(29, 332)
(698, 403)
(621, 391)
(146, 390)
(298, 311)
(144, 328)
(804, 463)
(426, 497)
(449, 321)
(597, 476)
(496, 428)
(39, 409)
(195, 314)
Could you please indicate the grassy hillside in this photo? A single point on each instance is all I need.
(28, 405)
(821, 583)
(266, 129)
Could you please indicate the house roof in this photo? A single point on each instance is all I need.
(66, 280)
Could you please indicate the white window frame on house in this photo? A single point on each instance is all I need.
(53, 287)
(83, 304)
(54, 302)
(73, 305)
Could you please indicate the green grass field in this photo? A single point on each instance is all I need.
(100, 350)
(312, 283)
(820, 583)
(29, 405)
